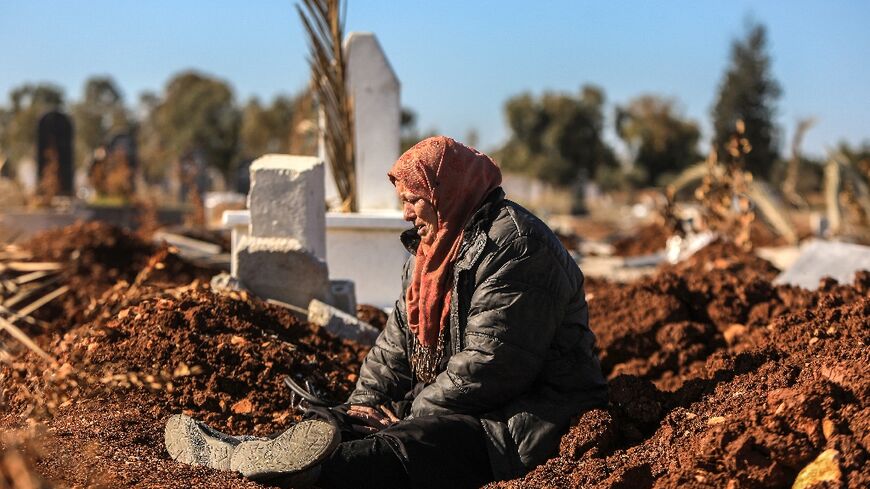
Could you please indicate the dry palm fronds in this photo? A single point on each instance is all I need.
(324, 23)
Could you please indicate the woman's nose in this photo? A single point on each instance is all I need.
(408, 212)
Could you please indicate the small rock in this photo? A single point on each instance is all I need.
(715, 420)
(244, 406)
(828, 428)
(825, 468)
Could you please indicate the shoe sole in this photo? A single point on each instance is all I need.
(300, 447)
(187, 443)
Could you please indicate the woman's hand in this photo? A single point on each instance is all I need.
(373, 420)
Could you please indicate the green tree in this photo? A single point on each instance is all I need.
(661, 141)
(97, 116)
(197, 113)
(557, 137)
(27, 104)
(154, 156)
(749, 92)
(267, 129)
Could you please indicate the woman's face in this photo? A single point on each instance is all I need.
(419, 211)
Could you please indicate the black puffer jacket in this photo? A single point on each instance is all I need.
(521, 352)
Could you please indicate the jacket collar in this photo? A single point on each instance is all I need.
(411, 240)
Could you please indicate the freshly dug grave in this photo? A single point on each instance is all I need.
(646, 240)
(219, 358)
(96, 257)
(720, 379)
(651, 238)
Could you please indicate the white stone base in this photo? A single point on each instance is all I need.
(363, 248)
(279, 268)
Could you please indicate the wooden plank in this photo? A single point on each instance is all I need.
(191, 245)
(27, 319)
(30, 277)
(19, 335)
(27, 291)
(26, 311)
(30, 266)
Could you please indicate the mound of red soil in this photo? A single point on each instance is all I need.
(646, 240)
(720, 379)
(372, 315)
(219, 358)
(652, 238)
(96, 256)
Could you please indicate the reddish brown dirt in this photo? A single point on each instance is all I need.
(720, 379)
(372, 315)
(651, 238)
(219, 358)
(97, 256)
(646, 240)
(717, 379)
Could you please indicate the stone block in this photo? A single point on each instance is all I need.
(341, 324)
(343, 295)
(287, 200)
(820, 259)
(281, 269)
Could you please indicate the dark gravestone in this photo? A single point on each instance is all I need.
(194, 174)
(123, 147)
(243, 176)
(121, 156)
(54, 150)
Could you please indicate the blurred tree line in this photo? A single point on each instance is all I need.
(195, 113)
(558, 137)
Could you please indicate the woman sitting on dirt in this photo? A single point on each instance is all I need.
(484, 360)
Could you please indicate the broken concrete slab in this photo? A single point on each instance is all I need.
(341, 324)
(280, 268)
(819, 259)
(343, 295)
(287, 200)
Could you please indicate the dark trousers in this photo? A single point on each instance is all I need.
(429, 451)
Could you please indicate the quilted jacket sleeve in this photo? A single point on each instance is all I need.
(386, 373)
(513, 314)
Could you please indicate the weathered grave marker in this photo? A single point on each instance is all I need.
(54, 150)
(282, 256)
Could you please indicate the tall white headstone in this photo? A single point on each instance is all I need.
(374, 89)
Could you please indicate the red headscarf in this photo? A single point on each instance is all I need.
(455, 179)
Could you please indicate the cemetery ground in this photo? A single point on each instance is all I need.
(718, 377)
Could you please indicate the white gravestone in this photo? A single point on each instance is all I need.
(282, 254)
(375, 93)
(287, 200)
(279, 268)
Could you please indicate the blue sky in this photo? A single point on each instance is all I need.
(460, 60)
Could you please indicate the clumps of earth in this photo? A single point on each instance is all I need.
(718, 378)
